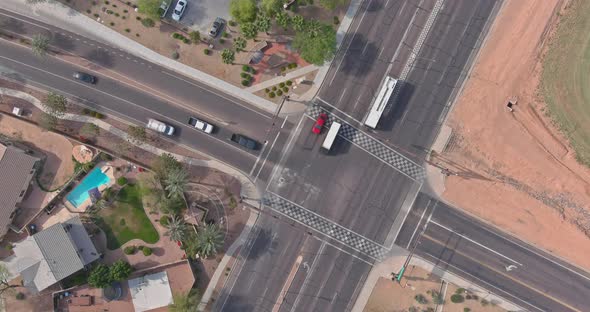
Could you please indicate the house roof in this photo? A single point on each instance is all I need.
(59, 251)
(52, 254)
(150, 291)
(17, 165)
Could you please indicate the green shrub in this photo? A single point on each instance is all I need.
(206, 51)
(88, 11)
(246, 68)
(244, 75)
(121, 181)
(289, 83)
(98, 115)
(266, 90)
(232, 23)
(336, 20)
(274, 88)
(138, 18)
(225, 35)
(466, 310)
(112, 24)
(285, 89)
(186, 41)
(106, 2)
(457, 298)
(271, 95)
(221, 41)
(130, 250)
(128, 3)
(127, 30)
(136, 35)
(123, 17)
(146, 251)
(20, 296)
(245, 82)
(125, 11)
(282, 84)
(283, 68)
(164, 221)
(85, 111)
(109, 12)
(460, 291)
(421, 299)
(176, 35)
(148, 22)
(484, 302)
(117, 14)
(175, 55)
(114, 5)
(279, 92)
(96, 15)
(122, 222)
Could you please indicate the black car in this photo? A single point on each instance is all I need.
(244, 141)
(85, 77)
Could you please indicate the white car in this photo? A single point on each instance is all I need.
(201, 125)
(159, 126)
(179, 10)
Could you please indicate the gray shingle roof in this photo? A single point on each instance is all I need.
(58, 251)
(16, 170)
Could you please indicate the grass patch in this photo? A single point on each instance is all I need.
(127, 220)
(566, 75)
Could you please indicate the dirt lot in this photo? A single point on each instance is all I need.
(516, 169)
(388, 296)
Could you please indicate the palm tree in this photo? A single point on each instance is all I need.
(40, 45)
(210, 239)
(185, 302)
(176, 182)
(228, 56)
(176, 228)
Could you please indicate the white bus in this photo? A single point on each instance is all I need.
(331, 136)
(380, 102)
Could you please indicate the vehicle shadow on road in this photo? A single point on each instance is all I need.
(397, 106)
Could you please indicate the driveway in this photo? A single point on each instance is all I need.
(200, 14)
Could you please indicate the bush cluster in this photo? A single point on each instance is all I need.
(130, 250)
(181, 38)
(92, 113)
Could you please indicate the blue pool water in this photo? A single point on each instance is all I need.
(94, 179)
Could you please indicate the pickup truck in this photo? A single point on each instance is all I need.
(164, 8)
(201, 125)
(244, 141)
(159, 126)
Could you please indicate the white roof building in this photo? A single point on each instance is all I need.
(150, 291)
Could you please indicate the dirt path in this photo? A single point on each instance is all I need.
(528, 181)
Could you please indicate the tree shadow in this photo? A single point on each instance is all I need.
(359, 58)
(264, 243)
(101, 57)
(63, 42)
(12, 25)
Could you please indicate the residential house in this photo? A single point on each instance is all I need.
(17, 169)
(51, 255)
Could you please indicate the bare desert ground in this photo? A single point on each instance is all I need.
(523, 175)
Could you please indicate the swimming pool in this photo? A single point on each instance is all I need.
(94, 179)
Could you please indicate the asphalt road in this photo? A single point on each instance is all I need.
(502, 264)
(136, 90)
(350, 187)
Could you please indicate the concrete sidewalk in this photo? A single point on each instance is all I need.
(59, 15)
(394, 263)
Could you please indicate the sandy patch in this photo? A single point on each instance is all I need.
(528, 181)
(58, 166)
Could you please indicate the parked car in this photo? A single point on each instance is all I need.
(164, 8)
(159, 126)
(216, 27)
(244, 141)
(319, 123)
(85, 77)
(201, 125)
(179, 10)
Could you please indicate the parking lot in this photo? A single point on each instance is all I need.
(199, 14)
(346, 186)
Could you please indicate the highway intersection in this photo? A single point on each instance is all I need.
(342, 212)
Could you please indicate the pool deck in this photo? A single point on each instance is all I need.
(109, 171)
